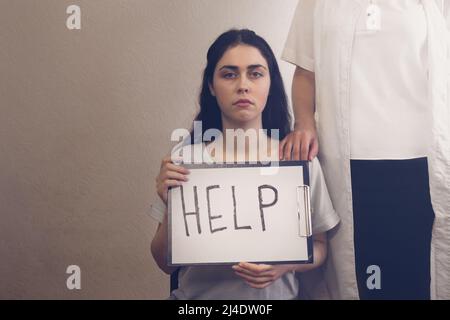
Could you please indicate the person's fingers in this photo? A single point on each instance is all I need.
(237, 268)
(252, 273)
(304, 150)
(281, 148)
(163, 186)
(171, 183)
(176, 168)
(314, 150)
(255, 268)
(256, 275)
(296, 148)
(287, 150)
(252, 279)
(176, 176)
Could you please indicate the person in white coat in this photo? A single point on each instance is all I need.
(371, 86)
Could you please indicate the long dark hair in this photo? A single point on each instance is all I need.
(276, 112)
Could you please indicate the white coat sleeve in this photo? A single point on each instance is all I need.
(299, 47)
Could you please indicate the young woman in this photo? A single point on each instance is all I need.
(242, 89)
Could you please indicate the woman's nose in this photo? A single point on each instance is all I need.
(243, 90)
(243, 86)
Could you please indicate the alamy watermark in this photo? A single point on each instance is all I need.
(73, 282)
(250, 146)
(374, 280)
(73, 21)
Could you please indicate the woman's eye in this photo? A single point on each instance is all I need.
(256, 74)
(229, 75)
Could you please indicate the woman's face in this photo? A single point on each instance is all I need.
(241, 85)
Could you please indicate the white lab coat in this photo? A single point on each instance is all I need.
(333, 34)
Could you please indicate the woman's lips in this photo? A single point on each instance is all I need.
(243, 103)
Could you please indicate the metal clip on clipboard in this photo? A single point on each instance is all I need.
(304, 211)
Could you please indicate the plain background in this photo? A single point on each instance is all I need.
(85, 118)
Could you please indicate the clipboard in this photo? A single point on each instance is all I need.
(180, 253)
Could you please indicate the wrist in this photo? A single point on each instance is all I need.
(305, 125)
(304, 128)
(290, 268)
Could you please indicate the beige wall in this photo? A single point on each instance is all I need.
(85, 117)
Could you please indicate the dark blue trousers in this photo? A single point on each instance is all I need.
(393, 220)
